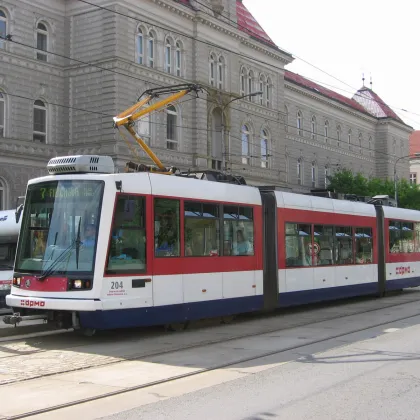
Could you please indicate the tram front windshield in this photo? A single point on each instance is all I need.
(59, 228)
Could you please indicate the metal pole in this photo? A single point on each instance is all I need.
(395, 183)
(223, 141)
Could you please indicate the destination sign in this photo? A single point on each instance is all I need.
(74, 190)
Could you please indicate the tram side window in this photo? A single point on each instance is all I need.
(407, 237)
(201, 229)
(364, 245)
(417, 236)
(238, 231)
(326, 243)
(344, 245)
(394, 236)
(298, 245)
(402, 237)
(167, 228)
(127, 253)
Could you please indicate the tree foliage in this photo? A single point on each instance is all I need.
(344, 181)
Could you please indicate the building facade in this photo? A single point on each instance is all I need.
(67, 67)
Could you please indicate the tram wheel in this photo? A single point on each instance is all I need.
(227, 319)
(88, 332)
(177, 326)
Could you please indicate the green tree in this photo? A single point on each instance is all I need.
(345, 182)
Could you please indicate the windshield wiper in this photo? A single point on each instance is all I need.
(78, 242)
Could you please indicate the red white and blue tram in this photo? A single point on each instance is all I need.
(102, 250)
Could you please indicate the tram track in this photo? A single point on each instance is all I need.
(195, 345)
(217, 366)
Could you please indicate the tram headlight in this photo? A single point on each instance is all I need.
(77, 284)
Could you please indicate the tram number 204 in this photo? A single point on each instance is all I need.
(115, 285)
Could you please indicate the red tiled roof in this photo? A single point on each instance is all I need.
(414, 142)
(248, 24)
(302, 81)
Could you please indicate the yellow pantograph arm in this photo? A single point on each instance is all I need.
(127, 116)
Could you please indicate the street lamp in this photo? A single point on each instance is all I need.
(395, 173)
(249, 95)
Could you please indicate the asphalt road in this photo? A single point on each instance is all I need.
(374, 375)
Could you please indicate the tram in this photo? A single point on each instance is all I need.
(100, 249)
(9, 232)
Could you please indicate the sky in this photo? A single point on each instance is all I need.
(347, 39)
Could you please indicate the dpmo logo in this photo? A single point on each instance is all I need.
(32, 303)
(402, 270)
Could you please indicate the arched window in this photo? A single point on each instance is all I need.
(41, 42)
(360, 143)
(338, 136)
(299, 123)
(171, 128)
(313, 128)
(286, 119)
(326, 126)
(168, 55)
(2, 115)
(262, 89)
(212, 70)
(3, 28)
(178, 59)
(264, 149)
(299, 171)
(394, 147)
(143, 127)
(326, 175)
(40, 122)
(268, 93)
(250, 84)
(313, 174)
(139, 46)
(349, 139)
(243, 81)
(245, 145)
(3, 192)
(220, 72)
(151, 50)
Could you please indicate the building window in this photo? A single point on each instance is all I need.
(268, 93)
(3, 29)
(139, 46)
(349, 139)
(299, 123)
(243, 81)
(338, 136)
(413, 178)
(360, 143)
(41, 42)
(178, 59)
(313, 174)
(326, 125)
(262, 89)
(2, 195)
(168, 56)
(370, 146)
(151, 50)
(40, 122)
(220, 72)
(250, 84)
(326, 175)
(264, 149)
(394, 147)
(143, 128)
(299, 171)
(2, 115)
(286, 119)
(245, 145)
(313, 128)
(212, 70)
(171, 128)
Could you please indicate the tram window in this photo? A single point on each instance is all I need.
(344, 245)
(167, 229)
(202, 231)
(364, 245)
(394, 236)
(238, 230)
(127, 253)
(407, 237)
(324, 238)
(299, 248)
(417, 236)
